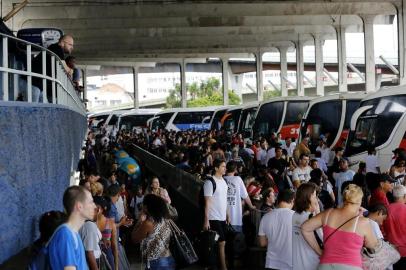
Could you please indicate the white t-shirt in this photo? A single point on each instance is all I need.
(120, 207)
(236, 192)
(289, 149)
(303, 256)
(371, 162)
(340, 179)
(277, 227)
(135, 201)
(261, 156)
(301, 174)
(325, 153)
(218, 206)
(376, 229)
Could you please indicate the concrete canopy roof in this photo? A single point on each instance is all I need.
(134, 30)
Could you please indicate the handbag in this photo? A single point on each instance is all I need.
(383, 256)
(173, 213)
(181, 248)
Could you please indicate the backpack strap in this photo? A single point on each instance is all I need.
(213, 182)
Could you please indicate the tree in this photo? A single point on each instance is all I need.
(208, 93)
(271, 94)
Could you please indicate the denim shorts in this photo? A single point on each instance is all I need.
(164, 263)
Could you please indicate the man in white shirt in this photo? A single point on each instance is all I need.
(261, 154)
(289, 146)
(302, 173)
(371, 161)
(325, 152)
(215, 212)
(275, 232)
(236, 193)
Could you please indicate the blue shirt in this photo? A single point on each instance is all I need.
(66, 249)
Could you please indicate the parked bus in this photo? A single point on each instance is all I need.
(247, 119)
(104, 121)
(280, 115)
(136, 119)
(380, 122)
(204, 118)
(330, 116)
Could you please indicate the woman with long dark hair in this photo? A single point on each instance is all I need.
(153, 231)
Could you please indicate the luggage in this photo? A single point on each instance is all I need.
(206, 247)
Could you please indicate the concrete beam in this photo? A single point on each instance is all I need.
(136, 96)
(209, 10)
(238, 23)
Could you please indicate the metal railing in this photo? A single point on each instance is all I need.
(17, 75)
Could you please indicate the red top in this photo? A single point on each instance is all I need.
(395, 226)
(378, 196)
(342, 247)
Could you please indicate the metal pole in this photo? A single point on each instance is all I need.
(5, 65)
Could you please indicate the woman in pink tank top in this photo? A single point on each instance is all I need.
(345, 231)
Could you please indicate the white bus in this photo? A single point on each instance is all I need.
(104, 121)
(379, 122)
(240, 119)
(330, 116)
(178, 119)
(136, 119)
(280, 115)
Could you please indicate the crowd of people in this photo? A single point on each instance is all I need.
(313, 211)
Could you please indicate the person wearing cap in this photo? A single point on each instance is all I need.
(395, 227)
(379, 193)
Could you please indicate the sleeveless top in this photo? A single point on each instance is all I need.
(342, 247)
(156, 244)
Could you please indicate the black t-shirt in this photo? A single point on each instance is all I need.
(279, 164)
(37, 64)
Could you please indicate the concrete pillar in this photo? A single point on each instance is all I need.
(260, 83)
(299, 68)
(136, 96)
(341, 58)
(284, 69)
(401, 8)
(318, 47)
(85, 84)
(183, 89)
(225, 80)
(369, 53)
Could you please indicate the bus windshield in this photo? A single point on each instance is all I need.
(161, 121)
(323, 119)
(132, 121)
(231, 123)
(375, 126)
(268, 119)
(215, 124)
(247, 120)
(193, 120)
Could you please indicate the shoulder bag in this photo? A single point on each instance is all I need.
(181, 248)
(383, 256)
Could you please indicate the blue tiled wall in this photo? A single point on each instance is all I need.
(39, 147)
